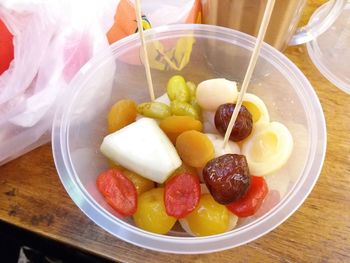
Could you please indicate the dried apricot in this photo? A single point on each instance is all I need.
(121, 114)
(194, 148)
(173, 126)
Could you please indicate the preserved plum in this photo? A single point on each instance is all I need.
(243, 124)
(227, 177)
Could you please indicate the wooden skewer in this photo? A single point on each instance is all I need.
(145, 54)
(251, 66)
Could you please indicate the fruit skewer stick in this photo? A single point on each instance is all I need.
(251, 66)
(144, 49)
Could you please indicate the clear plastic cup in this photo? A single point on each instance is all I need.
(80, 125)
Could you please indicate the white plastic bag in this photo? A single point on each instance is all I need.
(163, 12)
(53, 39)
(32, 31)
(72, 35)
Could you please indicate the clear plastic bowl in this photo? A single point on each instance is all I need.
(80, 125)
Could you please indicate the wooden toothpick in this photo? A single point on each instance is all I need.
(144, 49)
(251, 66)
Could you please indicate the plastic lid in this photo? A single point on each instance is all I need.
(330, 52)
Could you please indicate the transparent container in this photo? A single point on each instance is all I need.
(80, 125)
(330, 51)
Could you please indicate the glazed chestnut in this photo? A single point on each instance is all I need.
(227, 177)
(243, 125)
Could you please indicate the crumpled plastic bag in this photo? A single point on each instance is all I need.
(29, 42)
(53, 40)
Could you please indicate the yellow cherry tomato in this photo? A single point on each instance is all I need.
(209, 217)
(151, 215)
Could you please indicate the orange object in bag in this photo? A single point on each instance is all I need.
(163, 55)
(6, 47)
(125, 19)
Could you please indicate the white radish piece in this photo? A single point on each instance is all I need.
(268, 148)
(212, 93)
(218, 141)
(143, 148)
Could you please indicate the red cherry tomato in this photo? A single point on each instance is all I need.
(181, 194)
(119, 191)
(252, 200)
(6, 47)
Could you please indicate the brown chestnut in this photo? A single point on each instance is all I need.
(243, 125)
(227, 177)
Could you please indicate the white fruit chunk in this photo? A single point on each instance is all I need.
(143, 148)
(212, 93)
(256, 107)
(232, 218)
(218, 142)
(268, 149)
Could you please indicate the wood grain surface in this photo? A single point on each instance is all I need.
(32, 197)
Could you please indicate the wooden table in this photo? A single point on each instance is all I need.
(32, 197)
